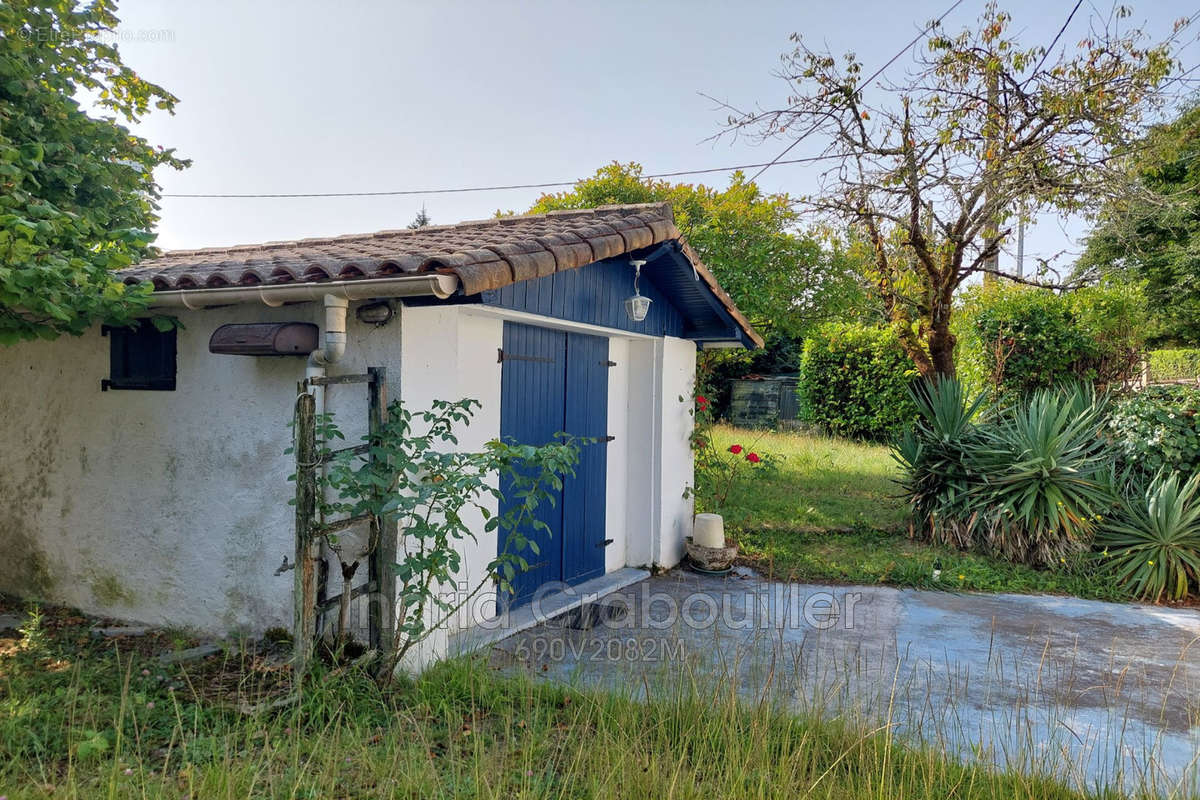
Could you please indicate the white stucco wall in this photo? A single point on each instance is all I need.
(451, 355)
(659, 465)
(107, 498)
(161, 507)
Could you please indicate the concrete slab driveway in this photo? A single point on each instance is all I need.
(1094, 693)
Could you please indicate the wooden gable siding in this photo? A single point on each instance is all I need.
(594, 295)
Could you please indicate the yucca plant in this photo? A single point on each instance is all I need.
(932, 456)
(1043, 473)
(1153, 544)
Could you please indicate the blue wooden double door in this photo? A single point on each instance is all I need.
(554, 381)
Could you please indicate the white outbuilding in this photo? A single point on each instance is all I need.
(143, 473)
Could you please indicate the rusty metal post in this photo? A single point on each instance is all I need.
(307, 544)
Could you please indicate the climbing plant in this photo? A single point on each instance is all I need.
(413, 479)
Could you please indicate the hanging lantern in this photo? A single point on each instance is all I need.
(637, 306)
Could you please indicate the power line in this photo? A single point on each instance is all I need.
(1057, 36)
(548, 185)
(877, 73)
(762, 167)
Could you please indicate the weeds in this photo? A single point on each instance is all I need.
(102, 726)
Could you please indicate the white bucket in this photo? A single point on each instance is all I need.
(709, 530)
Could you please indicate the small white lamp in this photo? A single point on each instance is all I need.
(637, 307)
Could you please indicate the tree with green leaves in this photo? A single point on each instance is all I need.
(1153, 236)
(421, 220)
(933, 170)
(78, 195)
(785, 281)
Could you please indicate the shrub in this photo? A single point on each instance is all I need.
(1027, 483)
(1015, 339)
(1157, 429)
(1044, 477)
(719, 471)
(854, 381)
(1174, 365)
(1115, 317)
(411, 476)
(1153, 546)
(932, 455)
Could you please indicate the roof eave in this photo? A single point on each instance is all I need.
(748, 338)
(433, 284)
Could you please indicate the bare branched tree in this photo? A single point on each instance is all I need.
(932, 170)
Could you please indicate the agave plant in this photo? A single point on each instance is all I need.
(1043, 474)
(932, 455)
(1153, 546)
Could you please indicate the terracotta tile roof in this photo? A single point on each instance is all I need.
(486, 254)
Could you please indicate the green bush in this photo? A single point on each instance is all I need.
(1158, 428)
(933, 459)
(1027, 483)
(1061, 471)
(1153, 547)
(1014, 339)
(1174, 365)
(1044, 473)
(854, 381)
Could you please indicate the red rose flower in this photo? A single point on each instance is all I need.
(735, 448)
(702, 401)
(753, 458)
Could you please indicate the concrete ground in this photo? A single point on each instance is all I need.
(1094, 693)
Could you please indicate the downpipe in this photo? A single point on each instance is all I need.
(336, 310)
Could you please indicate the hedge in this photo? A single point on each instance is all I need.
(1175, 364)
(1013, 339)
(854, 382)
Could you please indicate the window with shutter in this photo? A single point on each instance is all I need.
(140, 357)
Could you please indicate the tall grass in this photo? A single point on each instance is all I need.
(460, 730)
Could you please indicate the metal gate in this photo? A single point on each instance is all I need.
(378, 591)
(554, 381)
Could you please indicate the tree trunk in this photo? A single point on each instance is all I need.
(941, 349)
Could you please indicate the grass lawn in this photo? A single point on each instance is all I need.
(822, 483)
(828, 511)
(85, 717)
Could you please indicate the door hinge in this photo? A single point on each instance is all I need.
(502, 356)
(608, 363)
(604, 544)
(610, 438)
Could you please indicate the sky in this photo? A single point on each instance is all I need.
(381, 96)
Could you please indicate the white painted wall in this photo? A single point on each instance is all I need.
(166, 507)
(161, 507)
(643, 464)
(677, 368)
(449, 354)
(659, 465)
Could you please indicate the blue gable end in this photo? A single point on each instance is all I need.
(595, 295)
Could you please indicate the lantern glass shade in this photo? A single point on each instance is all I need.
(637, 307)
(379, 313)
